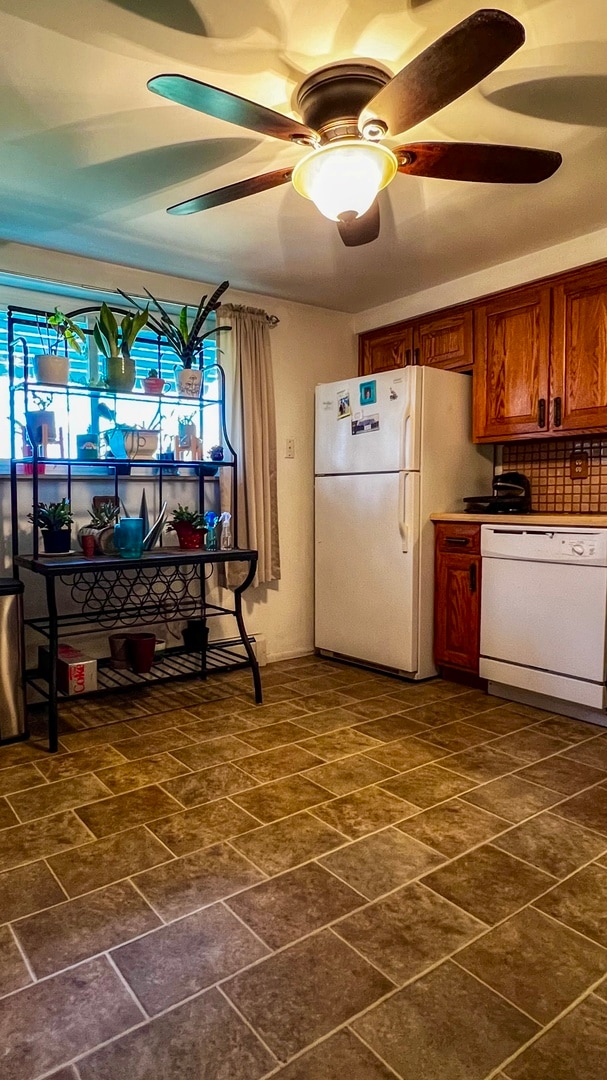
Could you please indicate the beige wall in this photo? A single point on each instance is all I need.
(310, 345)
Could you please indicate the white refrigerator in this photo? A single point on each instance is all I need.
(391, 449)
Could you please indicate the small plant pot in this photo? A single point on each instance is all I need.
(56, 541)
(188, 536)
(120, 373)
(87, 447)
(141, 648)
(35, 421)
(189, 381)
(196, 635)
(153, 386)
(119, 651)
(52, 369)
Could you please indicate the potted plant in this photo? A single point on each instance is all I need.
(37, 420)
(186, 337)
(103, 516)
(115, 341)
(216, 453)
(189, 526)
(59, 331)
(186, 429)
(55, 521)
(153, 384)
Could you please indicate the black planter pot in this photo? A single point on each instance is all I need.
(196, 635)
(56, 541)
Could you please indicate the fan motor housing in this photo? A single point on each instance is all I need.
(331, 98)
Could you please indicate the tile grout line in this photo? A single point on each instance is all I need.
(46, 863)
(24, 957)
(112, 963)
(453, 959)
(231, 1005)
(375, 1053)
(572, 929)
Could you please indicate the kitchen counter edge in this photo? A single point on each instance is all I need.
(597, 521)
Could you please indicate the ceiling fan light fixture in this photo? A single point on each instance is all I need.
(345, 177)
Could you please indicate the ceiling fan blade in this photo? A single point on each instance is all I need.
(356, 231)
(225, 106)
(232, 192)
(480, 162)
(445, 70)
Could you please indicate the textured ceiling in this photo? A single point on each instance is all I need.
(91, 159)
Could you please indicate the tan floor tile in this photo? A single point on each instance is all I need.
(280, 798)
(445, 1025)
(13, 972)
(289, 906)
(191, 954)
(288, 842)
(22, 753)
(160, 721)
(439, 713)
(561, 774)
(122, 811)
(71, 932)
(216, 728)
(339, 744)
(273, 735)
(407, 753)
(339, 1056)
(104, 861)
(364, 811)
(529, 745)
(581, 903)
(408, 931)
(391, 728)
(186, 884)
(81, 740)
(512, 797)
(37, 839)
(349, 774)
(204, 825)
(273, 764)
(319, 684)
(481, 763)
(298, 995)
(453, 827)
(141, 772)
(62, 795)
(19, 777)
(489, 883)
(320, 723)
(369, 689)
(559, 847)
(98, 713)
(589, 809)
(326, 699)
(571, 731)
(592, 753)
(213, 752)
(7, 815)
(574, 1049)
(280, 711)
(224, 707)
(502, 720)
(378, 863)
(534, 962)
(427, 785)
(157, 743)
(457, 736)
(53, 1021)
(203, 1036)
(27, 889)
(372, 709)
(89, 760)
(212, 783)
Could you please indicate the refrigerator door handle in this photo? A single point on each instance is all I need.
(403, 527)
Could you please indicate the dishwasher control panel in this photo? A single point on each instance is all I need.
(545, 544)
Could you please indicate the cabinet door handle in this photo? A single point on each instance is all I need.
(407, 357)
(558, 412)
(472, 576)
(460, 541)
(416, 356)
(541, 412)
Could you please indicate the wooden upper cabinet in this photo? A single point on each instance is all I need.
(386, 348)
(579, 352)
(511, 370)
(445, 340)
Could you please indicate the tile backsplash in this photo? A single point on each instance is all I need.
(547, 464)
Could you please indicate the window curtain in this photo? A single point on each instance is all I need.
(251, 423)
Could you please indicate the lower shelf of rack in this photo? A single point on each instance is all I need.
(176, 664)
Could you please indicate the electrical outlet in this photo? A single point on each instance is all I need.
(290, 448)
(578, 465)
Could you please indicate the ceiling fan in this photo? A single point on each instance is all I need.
(350, 107)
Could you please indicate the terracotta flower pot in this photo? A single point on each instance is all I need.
(153, 386)
(52, 369)
(188, 536)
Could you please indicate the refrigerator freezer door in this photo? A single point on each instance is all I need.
(382, 435)
(367, 530)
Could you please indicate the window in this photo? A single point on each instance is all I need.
(149, 351)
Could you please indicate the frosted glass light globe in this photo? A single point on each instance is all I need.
(344, 177)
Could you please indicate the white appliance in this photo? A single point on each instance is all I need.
(544, 611)
(391, 449)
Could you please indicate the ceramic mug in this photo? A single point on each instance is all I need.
(128, 537)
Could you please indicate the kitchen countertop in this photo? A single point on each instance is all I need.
(580, 520)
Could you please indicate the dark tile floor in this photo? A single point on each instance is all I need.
(362, 878)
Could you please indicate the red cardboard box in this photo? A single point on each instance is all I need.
(76, 672)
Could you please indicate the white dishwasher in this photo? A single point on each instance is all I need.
(544, 610)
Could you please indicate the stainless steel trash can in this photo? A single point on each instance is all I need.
(12, 695)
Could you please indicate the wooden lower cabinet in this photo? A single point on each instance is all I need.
(457, 596)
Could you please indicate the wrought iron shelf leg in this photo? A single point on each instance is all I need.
(238, 591)
(53, 652)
